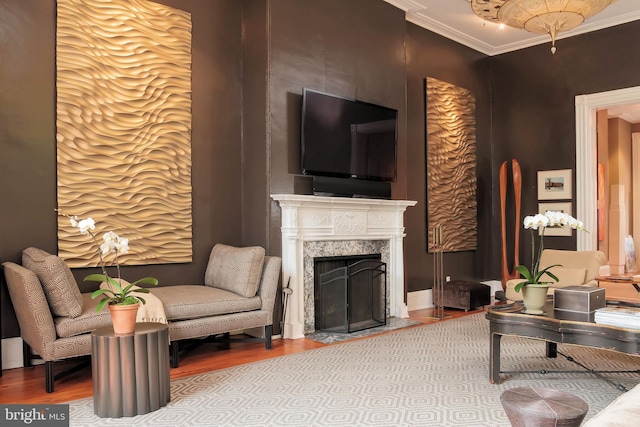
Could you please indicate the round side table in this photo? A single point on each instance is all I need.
(541, 407)
(130, 372)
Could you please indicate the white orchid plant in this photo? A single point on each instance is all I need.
(542, 221)
(116, 293)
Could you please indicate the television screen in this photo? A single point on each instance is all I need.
(347, 138)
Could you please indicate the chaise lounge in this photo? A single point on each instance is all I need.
(56, 319)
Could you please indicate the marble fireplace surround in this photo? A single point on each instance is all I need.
(318, 226)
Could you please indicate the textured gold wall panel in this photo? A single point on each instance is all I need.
(124, 127)
(451, 166)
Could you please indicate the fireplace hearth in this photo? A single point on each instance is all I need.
(350, 293)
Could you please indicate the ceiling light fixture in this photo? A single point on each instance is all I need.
(540, 16)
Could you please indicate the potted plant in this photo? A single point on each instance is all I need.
(535, 286)
(120, 296)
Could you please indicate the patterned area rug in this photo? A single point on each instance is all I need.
(431, 375)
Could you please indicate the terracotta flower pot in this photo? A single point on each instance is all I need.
(123, 318)
(534, 297)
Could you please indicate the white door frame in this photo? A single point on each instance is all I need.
(587, 157)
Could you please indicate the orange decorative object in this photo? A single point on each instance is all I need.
(123, 318)
(517, 192)
(505, 275)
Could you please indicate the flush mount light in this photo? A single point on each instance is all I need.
(540, 16)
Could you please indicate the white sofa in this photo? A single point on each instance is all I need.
(622, 412)
(577, 268)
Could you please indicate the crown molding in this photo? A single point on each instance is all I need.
(405, 5)
(461, 37)
(420, 19)
(418, 15)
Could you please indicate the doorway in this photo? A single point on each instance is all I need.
(586, 156)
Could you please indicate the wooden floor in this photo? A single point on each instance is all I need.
(26, 385)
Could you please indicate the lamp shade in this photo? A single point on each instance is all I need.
(539, 16)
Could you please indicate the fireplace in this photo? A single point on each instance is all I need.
(313, 250)
(350, 293)
(316, 226)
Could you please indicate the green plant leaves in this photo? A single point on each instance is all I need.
(530, 278)
(116, 294)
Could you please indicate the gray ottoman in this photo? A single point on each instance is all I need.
(465, 294)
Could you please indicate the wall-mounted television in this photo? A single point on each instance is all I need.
(347, 138)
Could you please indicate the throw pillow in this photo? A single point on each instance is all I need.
(567, 276)
(58, 283)
(233, 269)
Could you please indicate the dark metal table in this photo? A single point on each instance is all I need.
(632, 280)
(130, 372)
(509, 320)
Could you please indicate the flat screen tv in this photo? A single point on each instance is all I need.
(346, 138)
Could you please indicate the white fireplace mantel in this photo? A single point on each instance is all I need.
(317, 218)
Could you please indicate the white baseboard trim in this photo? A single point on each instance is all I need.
(259, 333)
(255, 332)
(418, 300)
(12, 353)
(496, 285)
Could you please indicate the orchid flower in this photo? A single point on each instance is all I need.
(542, 221)
(116, 245)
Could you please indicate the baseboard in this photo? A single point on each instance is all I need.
(418, 300)
(255, 332)
(12, 353)
(496, 285)
(259, 333)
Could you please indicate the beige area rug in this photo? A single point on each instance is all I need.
(431, 375)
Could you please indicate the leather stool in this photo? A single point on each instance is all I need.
(541, 407)
(465, 295)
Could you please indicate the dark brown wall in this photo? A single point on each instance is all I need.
(534, 106)
(431, 55)
(256, 140)
(27, 135)
(349, 48)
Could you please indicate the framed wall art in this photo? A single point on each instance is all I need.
(451, 167)
(123, 122)
(554, 184)
(557, 207)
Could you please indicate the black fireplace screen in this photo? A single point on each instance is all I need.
(350, 293)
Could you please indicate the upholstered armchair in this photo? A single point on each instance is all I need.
(37, 325)
(577, 268)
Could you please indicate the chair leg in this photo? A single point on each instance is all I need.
(174, 354)
(26, 355)
(226, 341)
(49, 378)
(268, 331)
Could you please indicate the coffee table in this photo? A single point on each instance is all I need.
(624, 287)
(550, 327)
